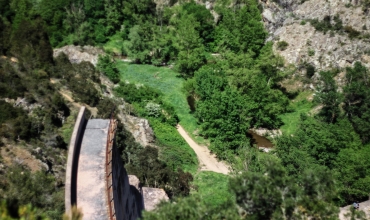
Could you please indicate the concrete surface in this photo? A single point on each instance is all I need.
(91, 196)
(72, 161)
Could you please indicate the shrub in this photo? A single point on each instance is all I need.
(282, 45)
(352, 33)
(109, 68)
(310, 70)
(311, 52)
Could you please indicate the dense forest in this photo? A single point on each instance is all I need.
(234, 78)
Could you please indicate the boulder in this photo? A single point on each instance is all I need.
(77, 54)
(152, 197)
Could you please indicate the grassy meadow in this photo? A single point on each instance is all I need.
(169, 83)
(300, 105)
(212, 188)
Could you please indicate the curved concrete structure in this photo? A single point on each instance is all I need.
(72, 161)
(97, 182)
(91, 189)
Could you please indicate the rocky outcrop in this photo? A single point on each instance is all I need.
(152, 196)
(139, 128)
(77, 54)
(289, 21)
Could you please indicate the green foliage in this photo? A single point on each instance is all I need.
(352, 167)
(192, 208)
(108, 67)
(327, 24)
(311, 52)
(352, 33)
(165, 81)
(328, 96)
(136, 93)
(174, 151)
(300, 105)
(241, 30)
(23, 187)
(30, 44)
(191, 51)
(357, 99)
(317, 144)
(221, 111)
(24, 212)
(310, 70)
(79, 77)
(273, 195)
(146, 165)
(212, 188)
(282, 45)
(206, 23)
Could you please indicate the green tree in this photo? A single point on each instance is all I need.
(191, 51)
(357, 99)
(108, 67)
(274, 195)
(327, 94)
(241, 30)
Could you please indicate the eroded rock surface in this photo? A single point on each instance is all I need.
(152, 197)
(140, 129)
(77, 54)
(288, 21)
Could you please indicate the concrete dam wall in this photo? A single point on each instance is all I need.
(96, 180)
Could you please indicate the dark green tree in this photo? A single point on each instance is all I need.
(327, 94)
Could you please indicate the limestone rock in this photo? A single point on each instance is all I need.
(77, 54)
(134, 181)
(139, 128)
(267, 14)
(152, 197)
(288, 21)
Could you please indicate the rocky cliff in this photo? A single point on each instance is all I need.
(326, 34)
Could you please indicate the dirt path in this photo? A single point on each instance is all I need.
(207, 161)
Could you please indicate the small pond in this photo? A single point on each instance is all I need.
(259, 140)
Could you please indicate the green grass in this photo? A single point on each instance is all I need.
(173, 148)
(212, 188)
(299, 105)
(169, 83)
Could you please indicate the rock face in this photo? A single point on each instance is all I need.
(140, 129)
(288, 21)
(77, 54)
(152, 197)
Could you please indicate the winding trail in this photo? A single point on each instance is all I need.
(207, 161)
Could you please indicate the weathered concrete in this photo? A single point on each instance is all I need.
(72, 162)
(91, 194)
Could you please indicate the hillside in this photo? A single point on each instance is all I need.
(297, 70)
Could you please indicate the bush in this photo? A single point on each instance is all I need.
(352, 33)
(326, 24)
(282, 45)
(109, 68)
(311, 52)
(310, 70)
